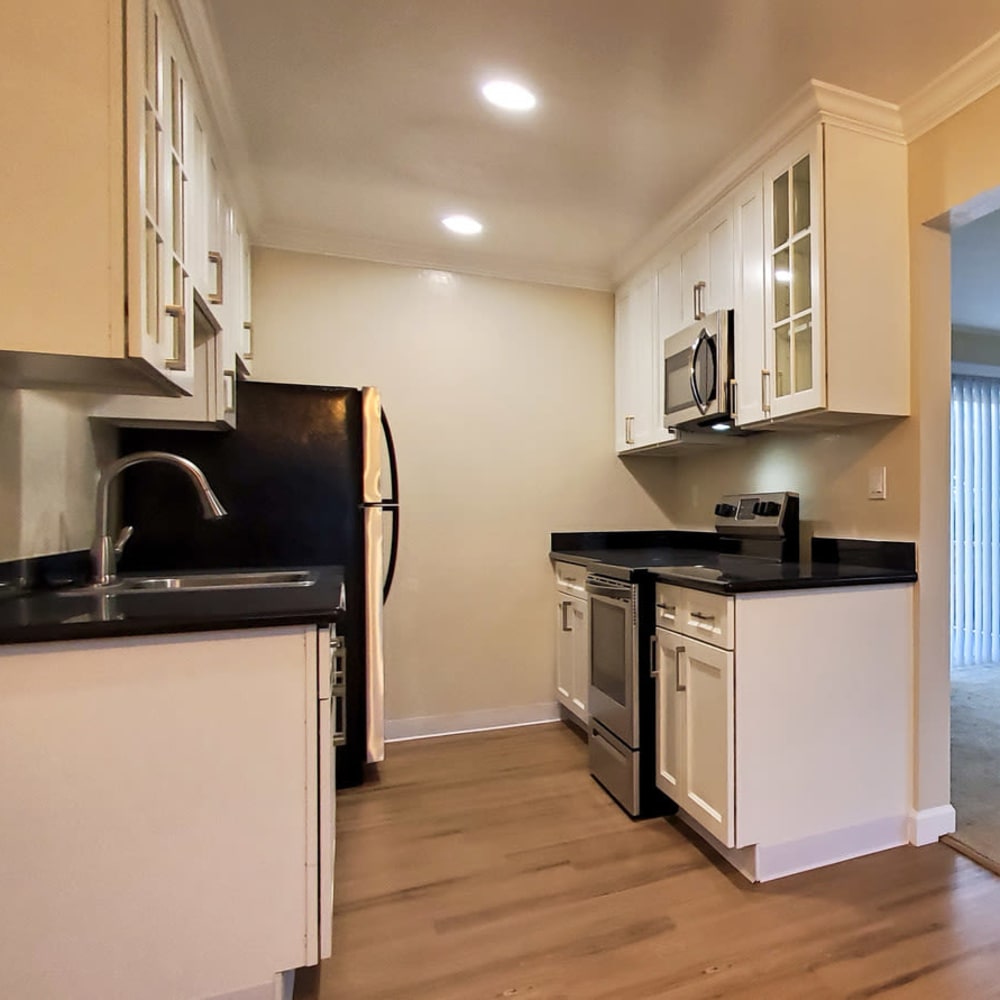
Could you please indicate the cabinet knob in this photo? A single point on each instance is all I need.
(724, 510)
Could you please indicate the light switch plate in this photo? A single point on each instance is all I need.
(876, 483)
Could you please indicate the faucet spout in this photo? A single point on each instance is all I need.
(104, 551)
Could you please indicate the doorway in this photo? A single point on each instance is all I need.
(975, 538)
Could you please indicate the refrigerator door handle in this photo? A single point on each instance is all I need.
(392, 502)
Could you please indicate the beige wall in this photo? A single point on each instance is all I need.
(49, 452)
(951, 164)
(828, 469)
(500, 397)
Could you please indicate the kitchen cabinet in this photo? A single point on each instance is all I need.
(706, 262)
(836, 286)
(695, 702)
(102, 239)
(163, 792)
(783, 721)
(635, 375)
(572, 640)
(749, 336)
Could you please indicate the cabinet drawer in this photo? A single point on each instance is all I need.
(571, 577)
(695, 613)
(670, 601)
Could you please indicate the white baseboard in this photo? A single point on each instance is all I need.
(925, 826)
(778, 860)
(280, 988)
(424, 726)
(764, 863)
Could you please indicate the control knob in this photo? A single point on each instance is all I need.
(766, 508)
(725, 510)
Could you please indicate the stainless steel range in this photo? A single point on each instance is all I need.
(750, 529)
(614, 687)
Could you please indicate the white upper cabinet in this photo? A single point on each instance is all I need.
(160, 143)
(793, 237)
(707, 267)
(635, 376)
(836, 284)
(105, 244)
(748, 333)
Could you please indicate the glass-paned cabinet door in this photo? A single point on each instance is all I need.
(793, 379)
(161, 320)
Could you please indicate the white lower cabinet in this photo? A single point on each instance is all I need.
(167, 822)
(572, 640)
(784, 721)
(695, 765)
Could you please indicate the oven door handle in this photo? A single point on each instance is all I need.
(615, 592)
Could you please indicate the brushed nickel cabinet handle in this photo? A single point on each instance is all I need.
(248, 353)
(565, 607)
(214, 257)
(765, 381)
(677, 682)
(670, 609)
(699, 300)
(628, 430)
(177, 361)
(702, 617)
(653, 672)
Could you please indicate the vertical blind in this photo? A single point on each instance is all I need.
(975, 520)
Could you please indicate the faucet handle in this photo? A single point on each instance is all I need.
(124, 535)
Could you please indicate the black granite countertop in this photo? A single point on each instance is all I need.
(46, 616)
(834, 563)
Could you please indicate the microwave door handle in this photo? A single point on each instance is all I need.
(704, 341)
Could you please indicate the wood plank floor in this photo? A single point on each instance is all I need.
(492, 866)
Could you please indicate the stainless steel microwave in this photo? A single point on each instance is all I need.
(698, 371)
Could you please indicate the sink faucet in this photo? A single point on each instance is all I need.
(105, 552)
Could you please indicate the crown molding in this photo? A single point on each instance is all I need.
(956, 88)
(216, 88)
(814, 102)
(509, 267)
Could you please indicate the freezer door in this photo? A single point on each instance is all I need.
(374, 666)
(371, 415)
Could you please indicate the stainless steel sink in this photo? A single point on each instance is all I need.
(198, 581)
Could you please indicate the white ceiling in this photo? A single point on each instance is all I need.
(364, 123)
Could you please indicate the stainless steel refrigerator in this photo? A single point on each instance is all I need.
(309, 478)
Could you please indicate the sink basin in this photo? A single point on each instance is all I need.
(198, 581)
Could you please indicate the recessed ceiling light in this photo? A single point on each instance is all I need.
(464, 225)
(509, 95)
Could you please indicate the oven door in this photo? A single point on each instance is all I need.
(613, 658)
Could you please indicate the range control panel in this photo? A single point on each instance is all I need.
(769, 515)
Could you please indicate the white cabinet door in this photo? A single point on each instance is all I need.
(669, 717)
(160, 790)
(707, 283)
(694, 276)
(793, 289)
(573, 654)
(706, 684)
(749, 333)
(634, 373)
(161, 329)
(564, 651)
(695, 764)
(580, 623)
(669, 319)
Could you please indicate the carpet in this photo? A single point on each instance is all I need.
(975, 757)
